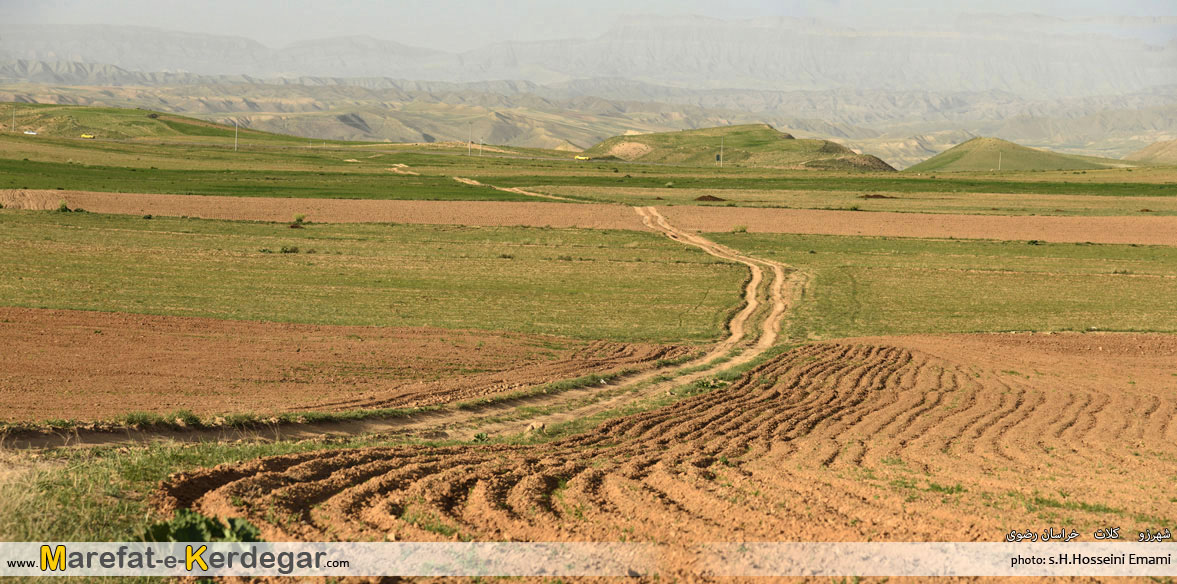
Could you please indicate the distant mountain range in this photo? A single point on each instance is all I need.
(900, 95)
(1016, 55)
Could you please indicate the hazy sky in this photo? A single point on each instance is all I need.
(467, 24)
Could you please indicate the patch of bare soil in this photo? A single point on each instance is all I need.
(709, 198)
(947, 438)
(1139, 230)
(480, 213)
(59, 364)
(402, 169)
(629, 150)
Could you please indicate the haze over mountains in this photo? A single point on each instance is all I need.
(1092, 86)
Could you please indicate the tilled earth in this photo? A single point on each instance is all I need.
(478, 213)
(61, 364)
(945, 438)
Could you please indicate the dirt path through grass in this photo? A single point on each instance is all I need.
(516, 190)
(769, 292)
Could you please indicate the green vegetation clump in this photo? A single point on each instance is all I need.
(189, 525)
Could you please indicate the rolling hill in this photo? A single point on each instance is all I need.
(984, 154)
(1158, 153)
(64, 121)
(747, 145)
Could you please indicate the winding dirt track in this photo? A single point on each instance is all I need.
(516, 190)
(752, 330)
(900, 439)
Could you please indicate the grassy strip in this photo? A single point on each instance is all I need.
(864, 286)
(27, 174)
(181, 420)
(847, 182)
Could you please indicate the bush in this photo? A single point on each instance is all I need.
(62, 207)
(189, 525)
(290, 249)
(740, 229)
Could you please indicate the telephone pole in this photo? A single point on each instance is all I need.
(14, 116)
(469, 138)
(234, 134)
(721, 151)
(998, 161)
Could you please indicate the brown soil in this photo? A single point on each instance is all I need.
(96, 366)
(629, 150)
(1140, 230)
(480, 213)
(709, 198)
(947, 438)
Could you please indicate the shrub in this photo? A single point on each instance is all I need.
(189, 525)
(740, 229)
(290, 249)
(62, 207)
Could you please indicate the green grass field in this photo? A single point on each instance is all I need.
(747, 145)
(244, 183)
(580, 283)
(885, 286)
(992, 153)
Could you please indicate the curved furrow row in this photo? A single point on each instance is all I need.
(831, 441)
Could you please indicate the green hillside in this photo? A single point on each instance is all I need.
(985, 154)
(1158, 153)
(67, 121)
(749, 145)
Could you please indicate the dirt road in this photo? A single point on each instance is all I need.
(754, 329)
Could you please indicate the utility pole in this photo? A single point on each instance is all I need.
(480, 147)
(721, 151)
(14, 116)
(998, 161)
(469, 138)
(234, 134)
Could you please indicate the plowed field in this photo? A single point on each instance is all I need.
(476, 213)
(60, 364)
(950, 438)
(1139, 230)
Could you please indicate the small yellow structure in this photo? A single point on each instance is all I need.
(88, 136)
(579, 157)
